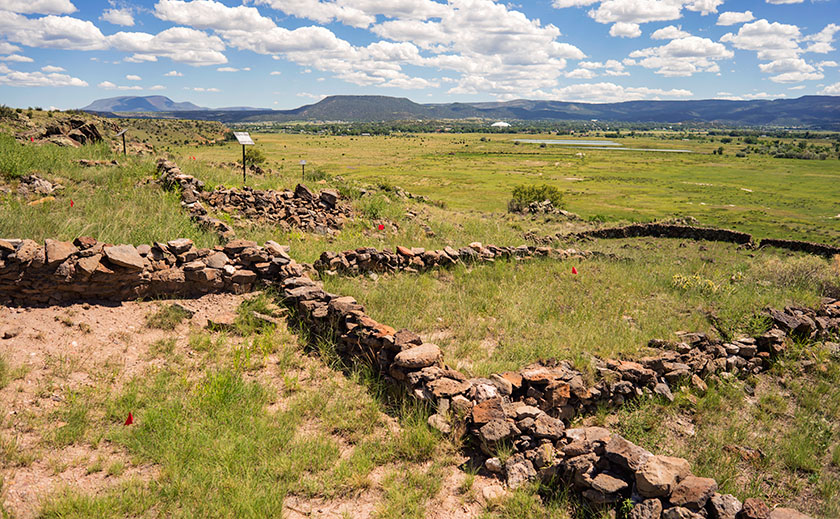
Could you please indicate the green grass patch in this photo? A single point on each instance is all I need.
(167, 317)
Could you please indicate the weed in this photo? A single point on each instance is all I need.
(167, 317)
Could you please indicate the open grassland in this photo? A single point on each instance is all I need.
(759, 194)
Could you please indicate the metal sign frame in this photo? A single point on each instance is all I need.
(244, 139)
(122, 134)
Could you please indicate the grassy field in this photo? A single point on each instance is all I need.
(757, 194)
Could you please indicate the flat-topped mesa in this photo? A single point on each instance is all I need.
(321, 213)
(416, 259)
(57, 271)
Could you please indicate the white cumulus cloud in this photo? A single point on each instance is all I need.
(669, 33)
(52, 68)
(613, 93)
(118, 17)
(173, 73)
(734, 18)
(625, 30)
(39, 6)
(831, 90)
(38, 79)
(133, 77)
(683, 56)
(18, 58)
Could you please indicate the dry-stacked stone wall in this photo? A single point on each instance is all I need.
(661, 230)
(303, 209)
(690, 232)
(525, 411)
(190, 188)
(54, 272)
(367, 259)
(819, 249)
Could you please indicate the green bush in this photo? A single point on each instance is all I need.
(254, 157)
(524, 195)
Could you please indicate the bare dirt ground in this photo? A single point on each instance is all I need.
(58, 351)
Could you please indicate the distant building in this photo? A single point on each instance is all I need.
(500, 124)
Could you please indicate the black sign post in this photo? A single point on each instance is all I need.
(302, 170)
(245, 140)
(122, 133)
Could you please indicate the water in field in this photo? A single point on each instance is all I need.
(569, 142)
(596, 145)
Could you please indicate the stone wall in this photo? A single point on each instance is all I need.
(818, 249)
(690, 232)
(367, 259)
(526, 410)
(662, 230)
(55, 272)
(322, 213)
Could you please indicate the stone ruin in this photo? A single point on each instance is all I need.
(690, 232)
(526, 411)
(366, 260)
(302, 209)
(70, 132)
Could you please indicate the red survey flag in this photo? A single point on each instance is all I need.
(381, 227)
(129, 420)
(71, 203)
(574, 270)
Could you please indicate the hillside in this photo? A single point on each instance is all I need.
(812, 111)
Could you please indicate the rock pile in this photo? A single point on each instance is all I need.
(33, 185)
(546, 207)
(190, 187)
(89, 163)
(819, 249)
(321, 213)
(56, 271)
(301, 208)
(367, 259)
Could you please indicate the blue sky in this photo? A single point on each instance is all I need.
(285, 53)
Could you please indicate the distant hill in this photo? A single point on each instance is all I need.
(814, 111)
(152, 104)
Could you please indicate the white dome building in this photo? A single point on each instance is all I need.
(500, 124)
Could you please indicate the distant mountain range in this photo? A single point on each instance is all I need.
(811, 111)
(151, 104)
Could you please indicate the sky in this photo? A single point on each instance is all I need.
(286, 53)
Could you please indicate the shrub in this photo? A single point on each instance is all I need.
(524, 195)
(254, 157)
